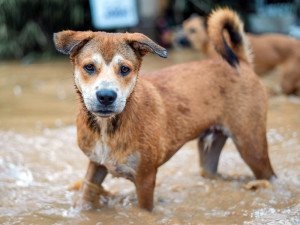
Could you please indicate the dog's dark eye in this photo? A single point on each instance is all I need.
(124, 70)
(192, 30)
(90, 68)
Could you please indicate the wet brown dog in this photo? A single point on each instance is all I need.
(129, 124)
(269, 51)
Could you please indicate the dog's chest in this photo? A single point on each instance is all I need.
(117, 163)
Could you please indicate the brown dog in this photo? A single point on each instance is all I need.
(269, 50)
(129, 124)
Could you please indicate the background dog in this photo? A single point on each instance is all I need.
(129, 124)
(269, 51)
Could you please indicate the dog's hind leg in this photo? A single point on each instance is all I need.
(253, 148)
(210, 144)
(290, 78)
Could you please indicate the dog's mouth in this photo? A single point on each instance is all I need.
(103, 113)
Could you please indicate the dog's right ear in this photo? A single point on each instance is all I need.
(69, 41)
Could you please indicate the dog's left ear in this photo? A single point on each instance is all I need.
(142, 44)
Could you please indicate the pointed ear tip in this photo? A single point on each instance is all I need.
(164, 53)
(62, 51)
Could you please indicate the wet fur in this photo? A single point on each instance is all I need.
(165, 110)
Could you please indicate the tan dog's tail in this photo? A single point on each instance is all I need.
(237, 48)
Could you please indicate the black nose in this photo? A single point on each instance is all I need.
(184, 42)
(106, 97)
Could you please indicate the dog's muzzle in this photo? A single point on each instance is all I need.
(106, 98)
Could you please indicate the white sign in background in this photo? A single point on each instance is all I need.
(110, 14)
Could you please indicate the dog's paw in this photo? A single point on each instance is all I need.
(90, 201)
(80, 203)
(90, 196)
(206, 174)
(257, 184)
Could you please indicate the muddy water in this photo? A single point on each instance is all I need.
(39, 160)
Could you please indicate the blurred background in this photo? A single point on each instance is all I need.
(39, 156)
(27, 26)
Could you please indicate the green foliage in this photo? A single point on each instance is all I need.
(27, 25)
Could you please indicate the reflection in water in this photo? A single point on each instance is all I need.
(39, 160)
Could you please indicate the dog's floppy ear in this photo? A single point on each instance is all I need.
(142, 44)
(68, 41)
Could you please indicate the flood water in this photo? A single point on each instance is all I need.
(40, 160)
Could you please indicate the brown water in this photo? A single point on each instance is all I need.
(39, 160)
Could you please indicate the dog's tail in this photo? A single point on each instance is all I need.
(237, 48)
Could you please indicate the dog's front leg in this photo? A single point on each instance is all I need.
(91, 187)
(145, 184)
